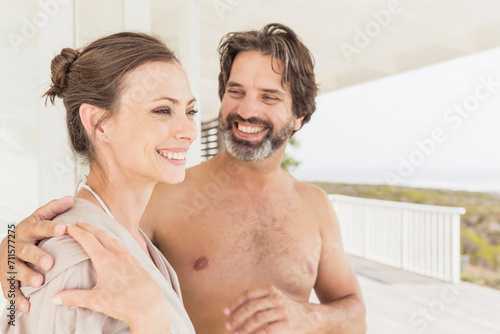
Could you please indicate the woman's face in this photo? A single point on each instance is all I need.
(154, 126)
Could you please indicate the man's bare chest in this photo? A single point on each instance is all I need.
(248, 245)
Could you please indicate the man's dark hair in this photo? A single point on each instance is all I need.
(280, 42)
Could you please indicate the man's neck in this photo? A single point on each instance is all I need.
(258, 174)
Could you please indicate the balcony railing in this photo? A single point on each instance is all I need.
(424, 239)
(211, 141)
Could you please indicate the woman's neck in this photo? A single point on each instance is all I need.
(126, 199)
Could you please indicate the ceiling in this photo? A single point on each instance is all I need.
(353, 41)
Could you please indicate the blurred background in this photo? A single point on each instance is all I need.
(407, 110)
(389, 72)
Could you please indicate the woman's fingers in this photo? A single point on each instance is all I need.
(106, 241)
(122, 283)
(91, 299)
(88, 241)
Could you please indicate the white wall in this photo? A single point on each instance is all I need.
(35, 161)
(18, 112)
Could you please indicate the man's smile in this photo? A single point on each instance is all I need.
(249, 131)
(250, 128)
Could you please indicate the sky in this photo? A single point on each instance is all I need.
(433, 127)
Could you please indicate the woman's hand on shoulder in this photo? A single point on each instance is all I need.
(124, 289)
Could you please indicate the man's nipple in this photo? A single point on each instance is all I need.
(310, 268)
(200, 263)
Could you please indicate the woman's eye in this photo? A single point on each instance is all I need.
(192, 112)
(163, 111)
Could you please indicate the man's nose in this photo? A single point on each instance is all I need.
(248, 107)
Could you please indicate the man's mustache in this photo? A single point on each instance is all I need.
(252, 120)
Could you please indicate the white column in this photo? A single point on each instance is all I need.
(181, 29)
(137, 15)
(56, 169)
(190, 49)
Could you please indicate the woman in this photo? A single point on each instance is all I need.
(130, 117)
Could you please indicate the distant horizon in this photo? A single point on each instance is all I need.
(485, 181)
(433, 127)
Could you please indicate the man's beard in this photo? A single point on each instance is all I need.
(249, 151)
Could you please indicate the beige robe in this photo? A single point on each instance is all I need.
(73, 270)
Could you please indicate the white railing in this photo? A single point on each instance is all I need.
(424, 239)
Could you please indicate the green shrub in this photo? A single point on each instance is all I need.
(479, 250)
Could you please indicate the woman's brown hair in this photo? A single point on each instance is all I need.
(96, 75)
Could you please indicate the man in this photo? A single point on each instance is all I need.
(248, 241)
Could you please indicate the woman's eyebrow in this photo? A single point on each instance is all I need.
(174, 101)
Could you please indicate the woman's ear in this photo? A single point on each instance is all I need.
(90, 116)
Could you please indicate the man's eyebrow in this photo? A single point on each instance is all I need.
(273, 91)
(265, 90)
(234, 84)
(174, 101)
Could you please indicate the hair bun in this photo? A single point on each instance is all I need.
(59, 68)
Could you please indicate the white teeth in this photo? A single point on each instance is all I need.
(249, 129)
(174, 156)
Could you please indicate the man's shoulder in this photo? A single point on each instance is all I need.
(195, 177)
(168, 198)
(315, 199)
(309, 191)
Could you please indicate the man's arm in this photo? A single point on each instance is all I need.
(32, 229)
(342, 310)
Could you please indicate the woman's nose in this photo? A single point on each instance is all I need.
(186, 129)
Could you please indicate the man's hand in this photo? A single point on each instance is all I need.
(124, 289)
(268, 310)
(32, 229)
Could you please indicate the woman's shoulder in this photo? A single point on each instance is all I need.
(45, 317)
(82, 210)
(72, 268)
(68, 253)
(65, 250)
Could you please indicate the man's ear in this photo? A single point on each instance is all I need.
(90, 115)
(298, 123)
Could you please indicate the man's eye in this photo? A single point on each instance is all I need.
(237, 92)
(163, 111)
(270, 98)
